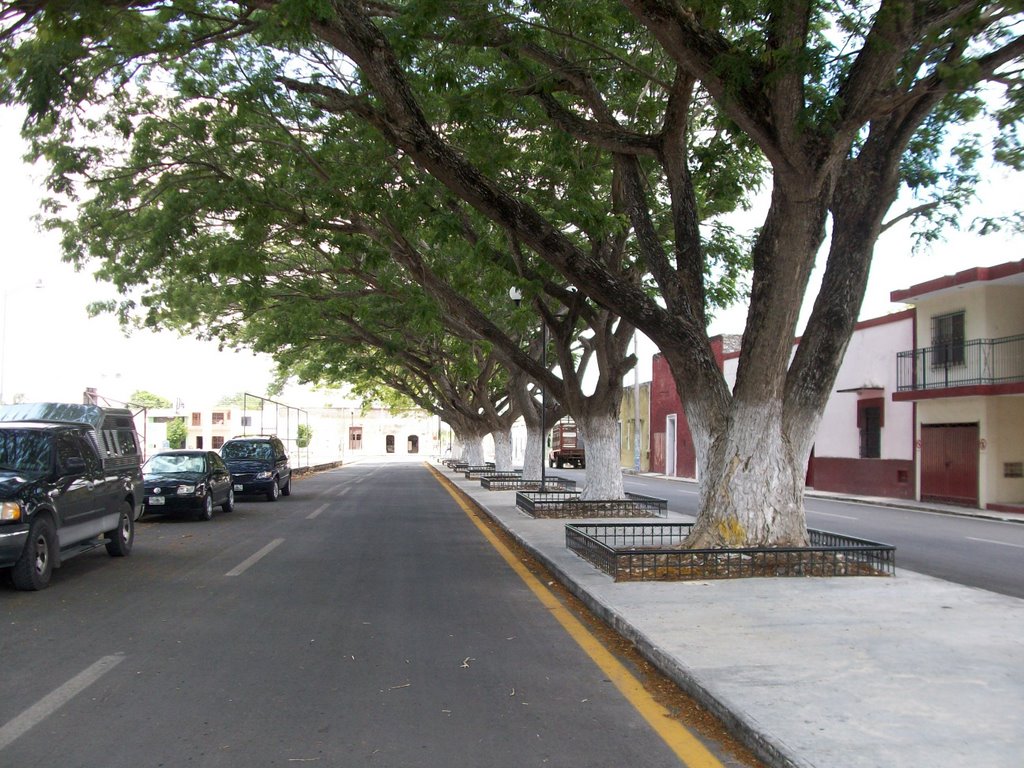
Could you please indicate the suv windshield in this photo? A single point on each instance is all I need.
(24, 450)
(244, 449)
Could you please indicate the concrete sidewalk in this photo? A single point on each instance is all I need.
(904, 671)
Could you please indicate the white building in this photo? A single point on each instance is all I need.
(338, 433)
(965, 377)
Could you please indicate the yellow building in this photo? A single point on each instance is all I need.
(629, 449)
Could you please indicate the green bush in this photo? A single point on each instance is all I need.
(177, 433)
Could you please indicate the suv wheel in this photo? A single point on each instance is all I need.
(206, 513)
(287, 490)
(229, 504)
(275, 491)
(33, 569)
(120, 540)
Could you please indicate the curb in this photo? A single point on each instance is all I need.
(762, 745)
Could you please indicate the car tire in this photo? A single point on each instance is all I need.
(275, 491)
(206, 512)
(120, 540)
(287, 490)
(229, 504)
(33, 569)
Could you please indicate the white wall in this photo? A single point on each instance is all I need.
(870, 361)
(1005, 445)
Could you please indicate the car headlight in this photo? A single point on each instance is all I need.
(264, 475)
(186, 490)
(10, 512)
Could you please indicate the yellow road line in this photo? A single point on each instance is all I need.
(684, 744)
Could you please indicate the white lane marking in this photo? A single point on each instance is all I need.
(248, 563)
(316, 512)
(337, 490)
(1000, 543)
(830, 514)
(50, 703)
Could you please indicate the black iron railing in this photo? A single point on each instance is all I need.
(961, 364)
(569, 504)
(495, 482)
(655, 552)
(475, 473)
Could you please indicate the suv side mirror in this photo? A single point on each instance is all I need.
(74, 465)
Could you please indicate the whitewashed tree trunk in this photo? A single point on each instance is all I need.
(601, 444)
(533, 457)
(502, 449)
(458, 446)
(473, 450)
(752, 483)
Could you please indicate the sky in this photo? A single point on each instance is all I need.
(51, 348)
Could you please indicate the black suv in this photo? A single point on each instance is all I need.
(70, 481)
(258, 465)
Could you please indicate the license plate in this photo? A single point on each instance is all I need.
(155, 500)
(238, 487)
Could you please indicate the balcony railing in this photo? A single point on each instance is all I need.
(961, 364)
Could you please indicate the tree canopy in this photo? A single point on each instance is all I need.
(587, 152)
(149, 400)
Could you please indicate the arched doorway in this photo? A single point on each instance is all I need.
(412, 445)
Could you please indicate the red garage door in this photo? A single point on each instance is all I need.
(949, 463)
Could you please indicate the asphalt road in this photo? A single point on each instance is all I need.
(975, 552)
(362, 621)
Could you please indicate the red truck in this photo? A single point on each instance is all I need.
(565, 445)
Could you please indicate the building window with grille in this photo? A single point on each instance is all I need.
(948, 339)
(197, 419)
(218, 441)
(218, 417)
(870, 421)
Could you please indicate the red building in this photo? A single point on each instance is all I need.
(672, 451)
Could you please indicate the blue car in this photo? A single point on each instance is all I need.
(259, 466)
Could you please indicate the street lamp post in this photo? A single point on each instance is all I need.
(517, 296)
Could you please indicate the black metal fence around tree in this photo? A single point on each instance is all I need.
(656, 552)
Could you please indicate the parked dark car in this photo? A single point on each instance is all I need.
(259, 466)
(195, 481)
(60, 493)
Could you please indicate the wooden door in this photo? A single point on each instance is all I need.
(949, 463)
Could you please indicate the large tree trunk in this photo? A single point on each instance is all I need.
(752, 484)
(533, 457)
(752, 448)
(502, 449)
(473, 450)
(600, 433)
